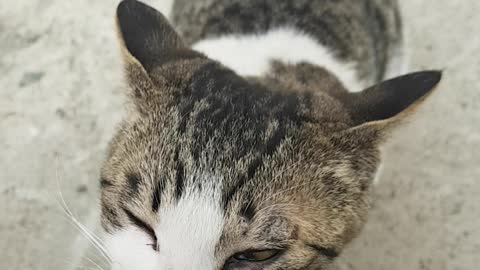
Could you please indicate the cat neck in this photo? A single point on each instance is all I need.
(253, 54)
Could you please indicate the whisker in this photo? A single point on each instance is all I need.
(91, 237)
(76, 266)
(94, 263)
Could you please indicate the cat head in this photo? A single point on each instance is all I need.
(214, 171)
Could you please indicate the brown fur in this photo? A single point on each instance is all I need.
(295, 165)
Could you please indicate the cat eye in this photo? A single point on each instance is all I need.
(256, 255)
(144, 227)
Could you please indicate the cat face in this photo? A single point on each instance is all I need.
(214, 171)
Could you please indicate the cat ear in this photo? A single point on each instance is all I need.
(378, 109)
(150, 47)
(145, 34)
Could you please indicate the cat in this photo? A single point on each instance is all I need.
(254, 131)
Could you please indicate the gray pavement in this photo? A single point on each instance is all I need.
(61, 96)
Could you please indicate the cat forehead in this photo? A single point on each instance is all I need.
(277, 187)
(171, 164)
(161, 160)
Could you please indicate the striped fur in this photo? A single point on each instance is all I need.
(210, 164)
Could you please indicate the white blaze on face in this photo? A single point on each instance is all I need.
(189, 232)
(129, 250)
(187, 235)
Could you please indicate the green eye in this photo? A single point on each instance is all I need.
(256, 256)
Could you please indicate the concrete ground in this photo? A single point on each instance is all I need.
(61, 96)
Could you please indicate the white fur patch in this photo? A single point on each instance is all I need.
(251, 55)
(187, 235)
(189, 232)
(129, 250)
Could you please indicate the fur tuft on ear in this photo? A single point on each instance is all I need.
(146, 34)
(376, 110)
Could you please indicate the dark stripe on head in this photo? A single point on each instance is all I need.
(104, 183)
(157, 195)
(133, 181)
(245, 118)
(195, 91)
(110, 215)
(330, 179)
(180, 180)
(248, 209)
(270, 146)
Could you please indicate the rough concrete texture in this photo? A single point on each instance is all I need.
(61, 96)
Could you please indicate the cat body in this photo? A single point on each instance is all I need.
(361, 42)
(249, 144)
